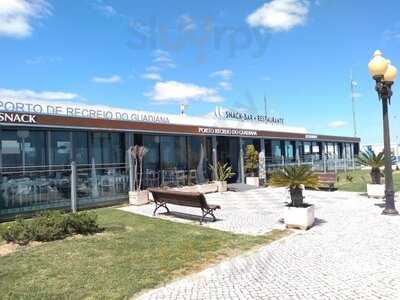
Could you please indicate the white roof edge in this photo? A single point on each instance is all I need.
(206, 121)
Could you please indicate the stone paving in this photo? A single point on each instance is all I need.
(353, 252)
(252, 212)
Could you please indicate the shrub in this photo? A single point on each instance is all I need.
(349, 178)
(50, 226)
(17, 232)
(295, 178)
(222, 172)
(251, 160)
(83, 223)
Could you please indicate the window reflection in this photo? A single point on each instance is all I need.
(23, 147)
(173, 152)
(151, 160)
(81, 147)
(199, 152)
(61, 147)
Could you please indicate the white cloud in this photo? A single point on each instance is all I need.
(266, 78)
(153, 69)
(16, 16)
(111, 79)
(32, 95)
(152, 76)
(43, 59)
(280, 15)
(337, 124)
(140, 27)
(391, 34)
(186, 23)
(173, 91)
(107, 10)
(227, 86)
(163, 59)
(224, 74)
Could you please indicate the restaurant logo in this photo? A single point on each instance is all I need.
(17, 118)
(225, 114)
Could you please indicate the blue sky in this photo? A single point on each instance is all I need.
(152, 55)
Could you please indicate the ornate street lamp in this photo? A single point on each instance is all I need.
(384, 75)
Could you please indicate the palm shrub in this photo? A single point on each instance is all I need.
(368, 158)
(222, 172)
(295, 178)
(251, 160)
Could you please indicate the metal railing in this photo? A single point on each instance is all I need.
(67, 187)
(317, 163)
(72, 187)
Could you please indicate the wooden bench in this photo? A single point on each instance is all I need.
(191, 199)
(327, 180)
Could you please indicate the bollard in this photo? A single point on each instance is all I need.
(73, 187)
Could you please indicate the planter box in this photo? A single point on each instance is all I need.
(376, 190)
(255, 181)
(138, 198)
(222, 186)
(299, 217)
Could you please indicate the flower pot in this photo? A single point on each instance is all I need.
(138, 198)
(299, 217)
(376, 190)
(222, 186)
(255, 181)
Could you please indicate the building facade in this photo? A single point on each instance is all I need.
(40, 140)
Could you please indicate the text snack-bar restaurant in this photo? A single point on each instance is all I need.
(39, 140)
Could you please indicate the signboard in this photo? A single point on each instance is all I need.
(226, 114)
(82, 111)
(311, 136)
(227, 131)
(6, 117)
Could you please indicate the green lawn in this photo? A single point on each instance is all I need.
(360, 180)
(133, 254)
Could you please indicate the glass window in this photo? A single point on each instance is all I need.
(60, 147)
(307, 148)
(81, 147)
(276, 149)
(23, 147)
(108, 147)
(228, 152)
(254, 142)
(11, 149)
(200, 157)
(117, 147)
(289, 150)
(173, 152)
(151, 160)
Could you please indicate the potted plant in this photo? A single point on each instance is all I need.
(221, 174)
(368, 158)
(297, 213)
(137, 196)
(251, 165)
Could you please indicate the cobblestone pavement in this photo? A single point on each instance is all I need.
(353, 252)
(252, 212)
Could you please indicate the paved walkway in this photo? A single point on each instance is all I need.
(255, 211)
(352, 253)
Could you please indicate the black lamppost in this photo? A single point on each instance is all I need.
(384, 75)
